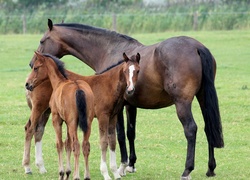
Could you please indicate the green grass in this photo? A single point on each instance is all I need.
(160, 142)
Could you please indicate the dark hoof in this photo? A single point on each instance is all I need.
(87, 178)
(29, 173)
(210, 173)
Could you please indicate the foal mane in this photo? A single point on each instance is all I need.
(59, 64)
(110, 67)
(95, 30)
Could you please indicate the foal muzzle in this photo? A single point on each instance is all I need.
(29, 87)
(130, 91)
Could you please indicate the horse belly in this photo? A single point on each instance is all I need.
(148, 98)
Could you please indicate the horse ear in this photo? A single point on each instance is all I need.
(126, 59)
(138, 57)
(50, 24)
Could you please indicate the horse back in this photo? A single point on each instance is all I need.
(170, 70)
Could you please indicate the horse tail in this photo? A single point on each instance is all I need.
(82, 110)
(210, 108)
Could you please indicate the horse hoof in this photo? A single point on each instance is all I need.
(210, 173)
(186, 177)
(130, 169)
(87, 178)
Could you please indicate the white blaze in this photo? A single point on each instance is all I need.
(131, 70)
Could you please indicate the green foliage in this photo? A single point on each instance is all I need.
(131, 15)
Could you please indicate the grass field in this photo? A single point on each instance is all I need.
(160, 142)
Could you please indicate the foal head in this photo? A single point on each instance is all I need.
(131, 72)
(39, 72)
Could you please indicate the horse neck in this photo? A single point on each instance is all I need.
(98, 50)
(54, 75)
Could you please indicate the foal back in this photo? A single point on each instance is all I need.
(64, 100)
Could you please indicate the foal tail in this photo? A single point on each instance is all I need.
(82, 110)
(210, 108)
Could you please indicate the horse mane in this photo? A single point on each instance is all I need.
(110, 67)
(59, 64)
(96, 30)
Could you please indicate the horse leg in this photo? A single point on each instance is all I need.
(86, 151)
(103, 121)
(30, 129)
(211, 158)
(57, 124)
(131, 130)
(68, 150)
(122, 143)
(190, 128)
(38, 140)
(112, 146)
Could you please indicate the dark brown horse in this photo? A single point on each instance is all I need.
(173, 71)
(71, 102)
(108, 90)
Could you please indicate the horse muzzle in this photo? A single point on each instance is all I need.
(29, 87)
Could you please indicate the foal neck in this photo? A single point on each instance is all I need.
(54, 74)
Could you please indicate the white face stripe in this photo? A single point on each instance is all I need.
(131, 70)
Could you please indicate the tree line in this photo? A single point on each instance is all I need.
(126, 16)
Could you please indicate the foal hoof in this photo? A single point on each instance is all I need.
(186, 177)
(28, 171)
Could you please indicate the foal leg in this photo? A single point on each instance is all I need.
(57, 124)
(103, 121)
(30, 129)
(38, 140)
(68, 150)
(86, 151)
(190, 128)
(131, 130)
(122, 143)
(75, 147)
(112, 146)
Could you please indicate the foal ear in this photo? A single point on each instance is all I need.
(138, 57)
(39, 55)
(126, 59)
(50, 24)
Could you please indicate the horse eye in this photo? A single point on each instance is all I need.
(35, 69)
